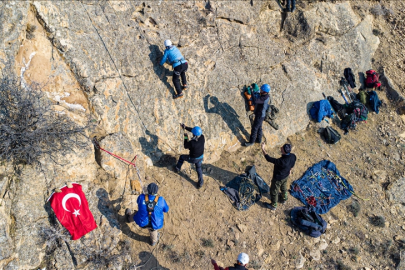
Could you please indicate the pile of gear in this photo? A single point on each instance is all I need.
(355, 109)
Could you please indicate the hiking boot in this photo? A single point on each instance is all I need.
(270, 206)
(178, 96)
(154, 243)
(282, 199)
(248, 144)
(128, 213)
(185, 87)
(199, 186)
(176, 170)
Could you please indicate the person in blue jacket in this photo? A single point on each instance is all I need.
(150, 214)
(261, 103)
(180, 66)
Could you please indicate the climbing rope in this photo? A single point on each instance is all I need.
(97, 146)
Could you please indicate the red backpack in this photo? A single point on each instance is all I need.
(372, 79)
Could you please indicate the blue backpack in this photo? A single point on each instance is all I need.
(374, 102)
(308, 221)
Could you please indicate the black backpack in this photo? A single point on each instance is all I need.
(350, 78)
(150, 205)
(330, 135)
(308, 221)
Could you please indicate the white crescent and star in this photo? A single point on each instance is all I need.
(67, 197)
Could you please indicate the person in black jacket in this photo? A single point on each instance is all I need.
(261, 105)
(282, 169)
(196, 146)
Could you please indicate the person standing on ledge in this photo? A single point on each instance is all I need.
(261, 103)
(281, 172)
(180, 66)
(196, 146)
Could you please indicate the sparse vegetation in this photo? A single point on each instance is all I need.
(355, 208)
(30, 31)
(29, 127)
(342, 266)
(379, 10)
(378, 221)
(207, 242)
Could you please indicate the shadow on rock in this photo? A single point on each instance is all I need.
(155, 56)
(221, 175)
(151, 149)
(149, 261)
(107, 209)
(229, 116)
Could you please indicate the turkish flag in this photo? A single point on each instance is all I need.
(72, 210)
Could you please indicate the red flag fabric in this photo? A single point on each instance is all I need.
(72, 210)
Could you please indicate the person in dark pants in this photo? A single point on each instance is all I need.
(150, 214)
(241, 263)
(196, 146)
(261, 105)
(290, 7)
(180, 66)
(282, 169)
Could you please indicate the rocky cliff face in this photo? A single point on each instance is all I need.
(101, 59)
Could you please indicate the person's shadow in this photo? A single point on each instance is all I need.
(107, 209)
(151, 149)
(149, 261)
(155, 56)
(229, 115)
(220, 175)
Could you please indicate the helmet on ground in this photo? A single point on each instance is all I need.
(265, 88)
(243, 258)
(196, 131)
(152, 189)
(168, 43)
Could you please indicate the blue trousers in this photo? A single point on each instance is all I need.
(198, 164)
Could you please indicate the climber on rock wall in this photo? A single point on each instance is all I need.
(180, 66)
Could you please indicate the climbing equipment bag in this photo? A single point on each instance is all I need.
(330, 135)
(308, 221)
(372, 79)
(362, 96)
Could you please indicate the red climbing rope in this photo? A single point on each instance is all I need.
(120, 158)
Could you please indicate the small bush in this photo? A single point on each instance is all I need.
(207, 242)
(378, 221)
(354, 250)
(342, 266)
(30, 31)
(355, 208)
(379, 10)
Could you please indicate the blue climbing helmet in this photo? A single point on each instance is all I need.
(196, 131)
(265, 88)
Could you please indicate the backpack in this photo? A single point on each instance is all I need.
(150, 205)
(350, 78)
(372, 79)
(374, 101)
(359, 110)
(363, 96)
(330, 135)
(308, 221)
(348, 122)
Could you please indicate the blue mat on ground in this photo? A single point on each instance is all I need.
(321, 187)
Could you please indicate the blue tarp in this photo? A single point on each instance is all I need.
(322, 187)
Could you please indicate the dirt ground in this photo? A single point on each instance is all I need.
(202, 224)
